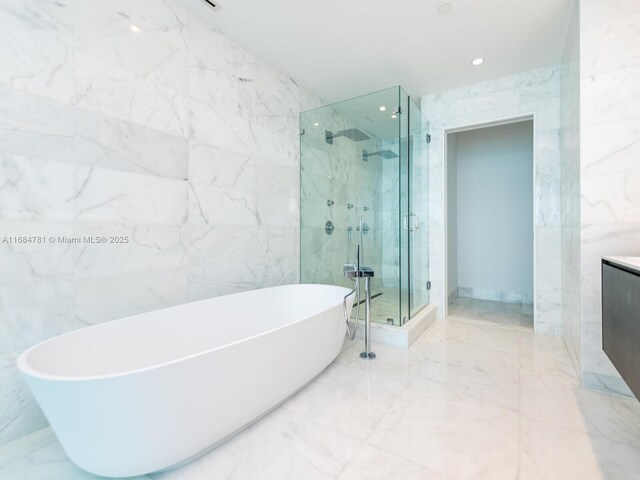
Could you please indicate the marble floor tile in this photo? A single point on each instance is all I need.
(347, 399)
(39, 456)
(472, 398)
(552, 452)
(510, 314)
(442, 428)
(373, 463)
(280, 446)
(559, 400)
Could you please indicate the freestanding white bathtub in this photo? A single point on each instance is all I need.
(151, 391)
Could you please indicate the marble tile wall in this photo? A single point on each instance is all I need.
(336, 172)
(609, 167)
(134, 119)
(537, 93)
(570, 169)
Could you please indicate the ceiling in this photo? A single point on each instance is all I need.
(342, 48)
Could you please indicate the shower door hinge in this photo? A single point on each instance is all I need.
(398, 111)
(428, 138)
(301, 131)
(428, 284)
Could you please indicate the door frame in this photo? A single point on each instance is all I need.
(477, 126)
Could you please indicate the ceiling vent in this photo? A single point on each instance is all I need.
(214, 5)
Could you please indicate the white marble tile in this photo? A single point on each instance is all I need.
(28, 315)
(36, 188)
(37, 456)
(26, 263)
(221, 167)
(107, 142)
(617, 154)
(278, 271)
(112, 91)
(34, 145)
(154, 51)
(373, 463)
(545, 355)
(103, 299)
(277, 180)
(105, 195)
(509, 314)
(220, 129)
(221, 89)
(277, 210)
(276, 101)
(212, 49)
(37, 47)
(24, 112)
(281, 148)
(550, 451)
(150, 248)
(19, 414)
(204, 287)
(398, 364)
(348, 400)
(560, 400)
(283, 446)
(243, 256)
(34, 313)
(444, 430)
(212, 205)
(254, 246)
(479, 373)
(610, 96)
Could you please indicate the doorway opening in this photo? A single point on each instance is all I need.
(490, 223)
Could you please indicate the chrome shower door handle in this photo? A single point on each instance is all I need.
(417, 224)
(408, 224)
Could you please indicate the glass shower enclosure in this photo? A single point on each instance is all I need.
(364, 181)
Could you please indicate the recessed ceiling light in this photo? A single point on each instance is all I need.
(382, 108)
(445, 9)
(477, 61)
(135, 28)
(394, 116)
(316, 124)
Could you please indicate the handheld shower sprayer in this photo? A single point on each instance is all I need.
(352, 271)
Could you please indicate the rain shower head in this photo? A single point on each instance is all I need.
(386, 154)
(352, 134)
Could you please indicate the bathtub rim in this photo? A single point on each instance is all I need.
(26, 369)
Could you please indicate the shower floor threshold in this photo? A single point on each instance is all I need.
(404, 336)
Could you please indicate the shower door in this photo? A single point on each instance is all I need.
(413, 234)
(418, 188)
(357, 160)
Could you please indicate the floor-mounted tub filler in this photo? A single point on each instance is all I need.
(152, 391)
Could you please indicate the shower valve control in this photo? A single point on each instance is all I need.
(365, 228)
(329, 227)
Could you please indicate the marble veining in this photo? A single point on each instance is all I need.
(608, 206)
(37, 46)
(135, 120)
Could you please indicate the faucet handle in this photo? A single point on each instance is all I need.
(350, 270)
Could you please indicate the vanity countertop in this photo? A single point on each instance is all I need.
(629, 262)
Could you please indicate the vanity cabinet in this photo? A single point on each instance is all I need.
(621, 317)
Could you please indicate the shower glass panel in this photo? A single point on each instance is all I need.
(418, 203)
(357, 159)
